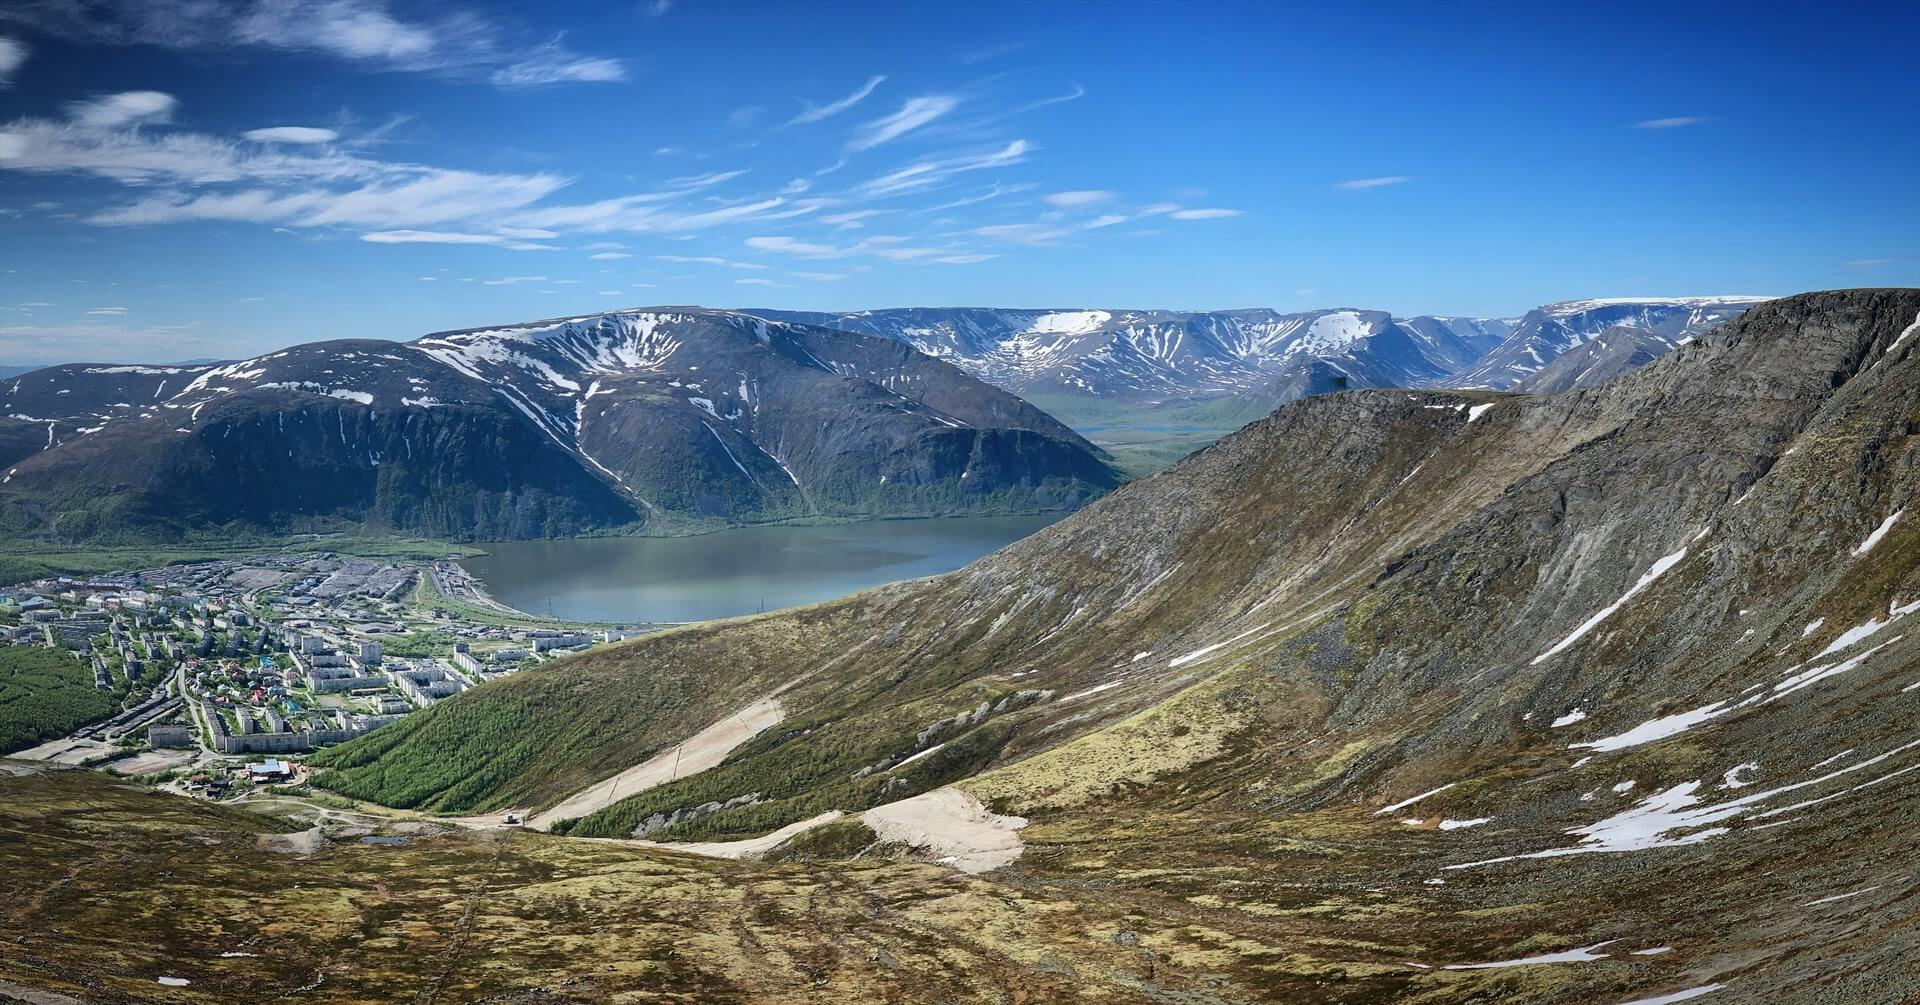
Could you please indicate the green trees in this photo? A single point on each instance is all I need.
(45, 693)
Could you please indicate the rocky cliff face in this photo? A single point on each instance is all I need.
(640, 419)
(1494, 676)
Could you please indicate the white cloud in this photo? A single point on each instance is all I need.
(1867, 263)
(1363, 184)
(612, 293)
(553, 63)
(450, 237)
(1670, 123)
(916, 112)
(963, 259)
(1083, 197)
(108, 311)
(1206, 213)
(925, 174)
(657, 8)
(128, 108)
(801, 249)
(756, 282)
(460, 43)
(814, 113)
(886, 247)
(13, 54)
(1021, 233)
(513, 280)
(1106, 220)
(822, 277)
(994, 192)
(851, 220)
(608, 256)
(291, 134)
(349, 28)
(708, 260)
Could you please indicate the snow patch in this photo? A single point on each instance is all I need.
(1655, 572)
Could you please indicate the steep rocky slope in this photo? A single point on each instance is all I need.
(1605, 696)
(637, 419)
(1517, 655)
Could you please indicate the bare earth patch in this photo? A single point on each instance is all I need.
(697, 753)
(951, 825)
(749, 847)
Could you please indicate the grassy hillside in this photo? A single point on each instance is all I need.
(1384, 698)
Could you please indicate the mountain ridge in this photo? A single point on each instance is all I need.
(1162, 357)
(1379, 639)
(589, 423)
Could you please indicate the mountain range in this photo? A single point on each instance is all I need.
(1393, 695)
(1262, 357)
(633, 420)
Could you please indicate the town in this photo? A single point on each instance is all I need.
(216, 676)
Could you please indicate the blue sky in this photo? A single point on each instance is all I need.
(225, 177)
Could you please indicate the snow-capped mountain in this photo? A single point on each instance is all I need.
(1182, 357)
(1167, 355)
(604, 421)
(1547, 332)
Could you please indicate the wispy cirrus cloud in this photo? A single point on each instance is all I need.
(553, 63)
(1076, 199)
(127, 108)
(508, 241)
(915, 113)
(1366, 184)
(929, 173)
(460, 43)
(886, 247)
(1674, 122)
(13, 55)
(852, 219)
(708, 260)
(815, 113)
(291, 134)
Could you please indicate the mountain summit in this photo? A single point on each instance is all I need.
(1264, 357)
(650, 418)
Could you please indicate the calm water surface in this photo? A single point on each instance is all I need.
(733, 571)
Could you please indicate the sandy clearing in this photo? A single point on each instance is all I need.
(954, 826)
(749, 848)
(697, 753)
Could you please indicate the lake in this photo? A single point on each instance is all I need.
(740, 571)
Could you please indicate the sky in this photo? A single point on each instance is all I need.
(225, 177)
